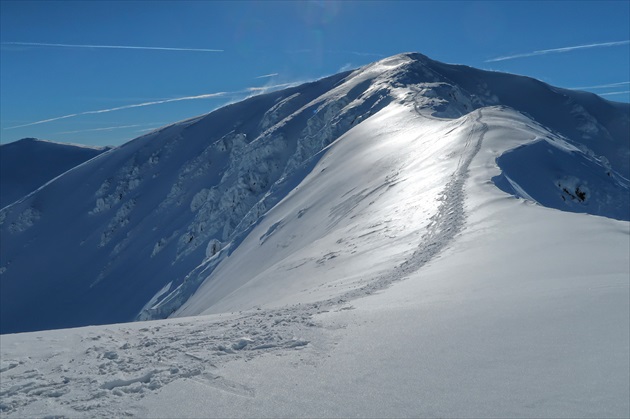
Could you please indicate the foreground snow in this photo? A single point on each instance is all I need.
(476, 303)
(497, 326)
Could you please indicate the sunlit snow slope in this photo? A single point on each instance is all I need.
(317, 192)
(410, 240)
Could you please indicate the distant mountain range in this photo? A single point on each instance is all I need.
(28, 164)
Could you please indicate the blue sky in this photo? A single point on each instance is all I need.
(199, 49)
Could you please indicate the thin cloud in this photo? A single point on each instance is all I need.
(119, 108)
(43, 44)
(265, 88)
(346, 67)
(267, 75)
(157, 102)
(558, 50)
(103, 129)
(601, 86)
(615, 93)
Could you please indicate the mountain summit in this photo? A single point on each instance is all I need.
(449, 241)
(302, 195)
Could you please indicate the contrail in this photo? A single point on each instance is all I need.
(102, 129)
(601, 86)
(267, 75)
(42, 44)
(119, 108)
(156, 102)
(615, 93)
(559, 50)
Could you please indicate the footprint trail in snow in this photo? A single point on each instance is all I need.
(131, 360)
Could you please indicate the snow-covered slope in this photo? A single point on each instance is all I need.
(322, 191)
(385, 284)
(27, 164)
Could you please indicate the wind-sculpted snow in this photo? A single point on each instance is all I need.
(409, 210)
(599, 127)
(557, 175)
(130, 362)
(336, 241)
(324, 175)
(119, 370)
(144, 216)
(447, 222)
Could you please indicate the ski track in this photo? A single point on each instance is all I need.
(128, 362)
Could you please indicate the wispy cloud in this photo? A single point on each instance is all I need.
(346, 67)
(43, 44)
(615, 93)
(267, 75)
(265, 88)
(256, 90)
(601, 86)
(104, 128)
(558, 50)
(119, 108)
(148, 129)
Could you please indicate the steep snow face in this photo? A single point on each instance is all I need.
(504, 308)
(367, 216)
(115, 231)
(599, 128)
(28, 164)
(558, 175)
(360, 213)
(302, 193)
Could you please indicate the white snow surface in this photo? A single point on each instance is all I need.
(386, 273)
(143, 226)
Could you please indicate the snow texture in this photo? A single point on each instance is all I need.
(344, 248)
(173, 205)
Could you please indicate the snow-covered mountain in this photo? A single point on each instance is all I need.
(197, 217)
(409, 239)
(27, 164)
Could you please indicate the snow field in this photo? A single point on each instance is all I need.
(375, 270)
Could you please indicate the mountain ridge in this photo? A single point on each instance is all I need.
(29, 163)
(155, 217)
